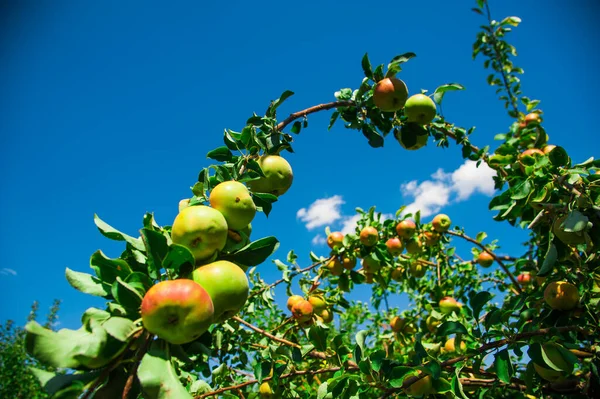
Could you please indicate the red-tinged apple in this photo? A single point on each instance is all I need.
(485, 259)
(441, 223)
(202, 229)
(528, 157)
(449, 305)
(394, 246)
(422, 387)
(553, 354)
(390, 94)
(227, 285)
(524, 278)
(335, 240)
(349, 262)
(369, 236)
(302, 311)
(335, 266)
(406, 228)
(532, 117)
(178, 311)
(278, 176)
(293, 300)
(233, 200)
(420, 108)
(397, 324)
(318, 303)
(561, 295)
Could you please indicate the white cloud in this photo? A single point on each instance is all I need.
(319, 240)
(430, 196)
(349, 224)
(321, 212)
(6, 271)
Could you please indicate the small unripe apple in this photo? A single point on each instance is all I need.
(394, 246)
(326, 315)
(233, 200)
(485, 259)
(335, 240)
(278, 176)
(421, 388)
(369, 236)
(441, 223)
(398, 274)
(317, 302)
(370, 264)
(406, 228)
(432, 324)
(532, 117)
(335, 266)
(302, 311)
(265, 391)
(349, 262)
(420, 108)
(293, 300)
(414, 246)
(450, 346)
(390, 94)
(449, 305)
(417, 269)
(397, 324)
(561, 295)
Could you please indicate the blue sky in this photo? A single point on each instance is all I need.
(110, 107)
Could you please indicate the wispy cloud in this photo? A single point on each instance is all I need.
(6, 271)
(319, 240)
(322, 212)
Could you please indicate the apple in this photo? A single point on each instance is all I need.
(227, 285)
(233, 200)
(532, 117)
(278, 176)
(432, 324)
(326, 316)
(567, 237)
(335, 240)
(450, 346)
(369, 277)
(528, 157)
(485, 259)
(265, 391)
(431, 237)
(318, 303)
(184, 203)
(237, 240)
(202, 229)
(449, 305)
(406, 228)
(398, 274)
(524, 278)
(397, 324)
(561, 295)
(553, 354)
(370, 264)
(414, 246)
(412, 136)
(416, 269)
(369, 236)
(178, 311)
(420, 108)
(548, 148)
(422, 387)
(394, 246)
(441, 223)
(335, 266)
(349, 262)
(302, 311)
(390, 94)
(292, 300)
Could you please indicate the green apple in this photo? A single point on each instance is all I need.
(390, 94)
(370, 264)
(561, 295)
(420, 108)
(335, 266)
(233, 200)
(422, 387)
(227, 285)
(553, 354)
(202, 229)
(178, 311)
(278, 176)
(412, 136)
(449, 305)
(318, 303)
(441, 223)
(568, 237)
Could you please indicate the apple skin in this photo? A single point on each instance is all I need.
(524, 278)
(390, 94)
(431, 237)
(421, 388)
(233, 200)
(406, 228)
(178, 311)
(561, 295)
(335, 240)
(349, 262)
(485, 259)
(552, 352)
(394, 246)
(317, 302)
(278, 176)
(335, 266)
(202, 229)
(369, 236)
(567, 237)
(432, 324)
(450, 347)
(184, 203)
(527, 157)
(548, 148)
(449, 305)
(398, 274)
(227, 285)
(326, 315)
(370, 264)
(265, 391)
(532, 117)
(302, 311)
(293, 300)
(441, 223)
(414, 246)
(416, 269)
(420, 108)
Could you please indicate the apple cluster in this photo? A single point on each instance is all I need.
(305, 311)
(181, 310)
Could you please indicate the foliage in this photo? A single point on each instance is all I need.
(501, 327)
(16, 378)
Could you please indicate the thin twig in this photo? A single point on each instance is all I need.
(311, 110)
(265, 333)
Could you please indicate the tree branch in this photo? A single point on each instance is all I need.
(265, 333)
(311, 110)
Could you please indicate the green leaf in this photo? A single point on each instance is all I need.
(156, 249)
(221, 154)
(296, 127)
(549, 261)
(263, 201)
(114, 234)
(255, 253)
(366, 66)
(119, 328)
(318, 337)
(126, 296)
(451, 327)
(438, 95)
(478, 301)
(275, 104)
(157, 375)
(87, 284)
(575, 222)
(360, 337)
(108, 269)
(512, 21)
(402, 58)
(178, 257)
(140, 282)
(503, 366)
(334, 117)
(522, 190)
(559, 157)
(375, 139)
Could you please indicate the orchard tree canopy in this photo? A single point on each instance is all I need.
(188, 315)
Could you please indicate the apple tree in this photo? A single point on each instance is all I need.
(188, 315)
